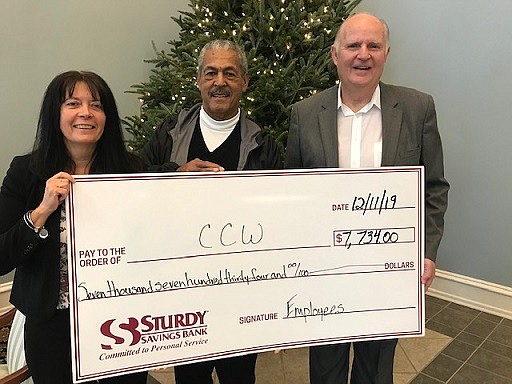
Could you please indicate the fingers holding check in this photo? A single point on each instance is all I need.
(55, 192)
(429, 272)
(198, 165)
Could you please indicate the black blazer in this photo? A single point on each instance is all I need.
(35, 287)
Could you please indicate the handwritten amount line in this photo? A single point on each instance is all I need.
(227, 253)
(178, 285)
(347, 266)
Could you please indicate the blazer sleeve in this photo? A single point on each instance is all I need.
(436, 186)
(293, 157)
(17, 241)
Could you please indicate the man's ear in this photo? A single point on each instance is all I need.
(246, 81)
(334, 55)
(387, 54)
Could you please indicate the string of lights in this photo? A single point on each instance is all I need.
(287, 43)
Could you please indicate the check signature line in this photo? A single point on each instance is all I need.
(350, 312)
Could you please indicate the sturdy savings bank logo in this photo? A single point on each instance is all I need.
(153, 329)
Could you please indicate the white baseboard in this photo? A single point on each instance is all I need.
(5, 292)
(470, 292)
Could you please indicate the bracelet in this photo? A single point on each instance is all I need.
(41, 231)
(29, 222)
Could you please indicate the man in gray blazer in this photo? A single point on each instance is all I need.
(363, 122)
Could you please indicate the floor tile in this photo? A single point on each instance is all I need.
(436, 300)
(492, 362)
(481, 327)
(431, 334)
(467, 310)
(432, 309)
(455, 318)
(422, 350)
(489, 317)
(152, 380)
(402, 364)
(459, 350)
(472, 375)
(443, 367)
(497, 348)
(403, 378)
(502, 334)
(470, 339)
(424, 379)
(443, 328)
(507, 322)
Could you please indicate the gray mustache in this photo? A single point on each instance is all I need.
(219, 92)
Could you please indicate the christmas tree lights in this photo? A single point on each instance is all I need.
(287, 43)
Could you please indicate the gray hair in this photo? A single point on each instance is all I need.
(224, 44)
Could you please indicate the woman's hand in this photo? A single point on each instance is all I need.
(55, 192)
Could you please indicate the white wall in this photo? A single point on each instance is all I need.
(459, 51)
(39, 39)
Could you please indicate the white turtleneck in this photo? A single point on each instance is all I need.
(216, 132)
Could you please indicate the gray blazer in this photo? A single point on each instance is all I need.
(409, 137)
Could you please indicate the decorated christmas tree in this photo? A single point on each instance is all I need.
(287, 43)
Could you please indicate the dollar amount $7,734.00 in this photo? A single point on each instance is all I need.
(350, 237)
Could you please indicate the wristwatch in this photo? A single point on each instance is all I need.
(41, 231)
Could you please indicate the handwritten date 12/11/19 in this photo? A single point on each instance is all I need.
(374, 203)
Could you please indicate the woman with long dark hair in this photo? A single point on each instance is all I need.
(79, 132)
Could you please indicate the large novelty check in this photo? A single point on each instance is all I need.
(168, 269)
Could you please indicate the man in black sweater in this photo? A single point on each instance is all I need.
(214, 136)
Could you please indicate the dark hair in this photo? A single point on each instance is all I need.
(50, 154)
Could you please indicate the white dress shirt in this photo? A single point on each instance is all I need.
(360, 134)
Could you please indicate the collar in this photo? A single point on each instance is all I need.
(215, 125)
(375, 100)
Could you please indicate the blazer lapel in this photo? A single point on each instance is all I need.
(327, 122)
(391, 125)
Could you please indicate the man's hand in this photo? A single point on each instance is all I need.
(198, 165)
(429, 272)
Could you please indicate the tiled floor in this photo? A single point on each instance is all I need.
(461, 346)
